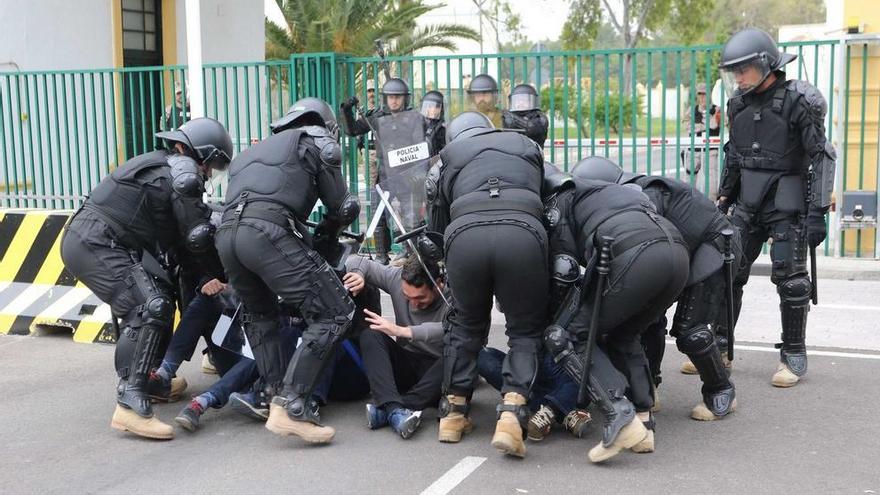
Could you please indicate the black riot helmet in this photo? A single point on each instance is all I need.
(483, 83)
(432, 105)
(206, 138)
(467, 124)
(747, 58)
(524, 97)
(397, 87)
(308, 111)
(597, 168)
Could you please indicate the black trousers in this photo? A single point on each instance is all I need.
(398, 375)
(642, 283)
(504, 254)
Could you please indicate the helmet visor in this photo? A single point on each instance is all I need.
(522, 102)
(742, 79)
(432, 109)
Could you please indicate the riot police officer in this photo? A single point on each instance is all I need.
(648, 268)
(778, 177)
(433, 110)
(148, 209)
(524, 113)
(269, 253)
(485, 197)
(395, 99)
(701, 226)
(483, 97)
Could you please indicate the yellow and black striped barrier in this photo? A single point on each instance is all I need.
(35, 288)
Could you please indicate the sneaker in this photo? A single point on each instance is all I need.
(376, 417)
(247, 404)
(189, 417)
(577, 422)
(541, 423)
(405, 422)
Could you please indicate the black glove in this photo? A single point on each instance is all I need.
(816, 229)
(350, 103)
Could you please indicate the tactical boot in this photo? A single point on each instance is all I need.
(577, 422)
(405, 422)
(512, 413)
(189, 416)
(250, 405)
(784, 377)
(688, 368)
(541, 423)
(297, 417)
(160, 390)
(125, 419)
(622, 429)
(702, 413)
(132, 394)
(208, 367)
(646, 446)
(453, 418)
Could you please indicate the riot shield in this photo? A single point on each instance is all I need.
(229, 334)
(403, 154)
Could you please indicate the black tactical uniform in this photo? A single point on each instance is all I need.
(273, 187)
(649, 267)
(485, 197)
(777, 153)
(435, 131)
(701, 303)
(150, 207)
(523, 113)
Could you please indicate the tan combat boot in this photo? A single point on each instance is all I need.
(455, 423)
(630, 435)
(784, 378)
(646, 446)
(688, 368)
(125, 419)
(702, 413)
(281, 423)
(508, 437)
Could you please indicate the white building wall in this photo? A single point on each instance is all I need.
(55, 35)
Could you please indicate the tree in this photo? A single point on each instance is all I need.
(730, 16)
(582, 26)
(352, 26)
(502, 19)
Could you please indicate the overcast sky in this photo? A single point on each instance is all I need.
(542, 19)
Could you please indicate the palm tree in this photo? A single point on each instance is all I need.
(351, 26)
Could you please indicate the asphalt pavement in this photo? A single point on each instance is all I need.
(818, 437)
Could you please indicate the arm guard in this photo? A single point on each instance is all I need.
(809, 116)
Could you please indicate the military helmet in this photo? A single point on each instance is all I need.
(597, 168)
(207, 138)
(523, 97)
(308, 111)
(467, 124)
(747, 50)
(483, 83)
(432, 105)
(398, 87)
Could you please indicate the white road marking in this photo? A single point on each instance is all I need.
(845, 307)
(810, 352)
(454, 476)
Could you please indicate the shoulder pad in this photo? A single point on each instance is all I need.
(812, 96)
(432, 180)
(186, 179)
(734, 105)
(328, 147)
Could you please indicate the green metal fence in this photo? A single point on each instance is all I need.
(64, 130)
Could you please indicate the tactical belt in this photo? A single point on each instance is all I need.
(510, 200)
(286, 222)
(637, 239)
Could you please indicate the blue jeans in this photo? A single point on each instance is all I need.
(552, 386)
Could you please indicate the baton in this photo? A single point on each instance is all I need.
(603, 267)
(383, 196)
(813, 278)
(409, 235)
(727, 234)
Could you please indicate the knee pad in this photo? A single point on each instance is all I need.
(158, 310)
(795, 289)
(695, 340)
